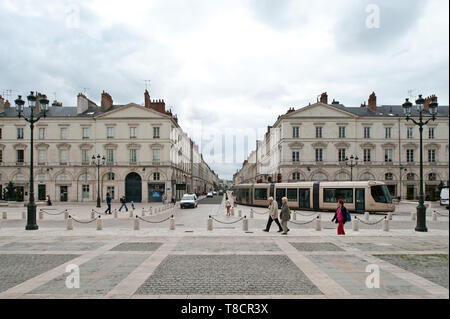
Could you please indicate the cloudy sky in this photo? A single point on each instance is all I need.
(227, 68)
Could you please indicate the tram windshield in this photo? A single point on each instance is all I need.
(380, 194)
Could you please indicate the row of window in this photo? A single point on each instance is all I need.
(85, 156)
(85, 133)
(367, 155)
(110, 176)
(367, 131)
(297, 176)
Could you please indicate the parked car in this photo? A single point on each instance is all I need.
(210, 194)
(188, 200)
(444, 196)
(214, 193)
(221, 192)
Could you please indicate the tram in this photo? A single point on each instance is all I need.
(359, 196)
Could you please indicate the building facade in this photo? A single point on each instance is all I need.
(311, 144)
(147, 154)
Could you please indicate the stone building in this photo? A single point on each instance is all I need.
(311, 144)
(146, 152)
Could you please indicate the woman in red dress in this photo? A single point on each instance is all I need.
(340, 217)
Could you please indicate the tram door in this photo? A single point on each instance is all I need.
(304, 198)
(360, 200)
(280, 193)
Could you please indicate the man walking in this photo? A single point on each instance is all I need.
(285, 215)
(108, 202)
(124, 203)
(273, 215)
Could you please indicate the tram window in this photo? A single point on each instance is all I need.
(260, 194)
(292, 194)
(332, 195)
(380, 194)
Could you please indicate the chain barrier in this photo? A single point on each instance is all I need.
(56, 214)
(263, 213)
(83, 222)
(152, 222)
(373, 223)
(303, 214)
(440, 214)
(228, 223)
(99, 213)
(303, 223)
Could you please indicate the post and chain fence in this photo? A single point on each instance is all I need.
(370, 223)
(305, 222)
(228, 223)
(82, 221)
(52, 214)
(154, 222)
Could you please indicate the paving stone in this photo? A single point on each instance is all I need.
(137, 246)
(350, 272)
(97, 277)
(51, 246)
(17, 268)
(232, 274)
(433, 267)
(231, 245)
(316, 246)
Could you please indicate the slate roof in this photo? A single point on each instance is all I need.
(388, 110)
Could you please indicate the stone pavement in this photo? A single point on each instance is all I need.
(191, 262)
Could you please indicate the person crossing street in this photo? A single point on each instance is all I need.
(273, 215)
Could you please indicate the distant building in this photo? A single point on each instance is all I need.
(146, 151)
(311, 143)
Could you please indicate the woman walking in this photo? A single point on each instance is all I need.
(228, 205)
(285, 215)
(340, 217)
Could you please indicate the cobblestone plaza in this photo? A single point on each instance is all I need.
(227, 262)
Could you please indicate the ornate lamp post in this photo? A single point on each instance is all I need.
(98, 161)
(32, 118)
(420, 102)
(351, 164)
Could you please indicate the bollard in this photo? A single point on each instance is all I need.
(240, 213)
(355, 224)
(413, 216)
(390, 216)
(99, 223)
(130, 213)
(294, 216)
(69, 223)
(251, 213)
(434, 216)
(143, 212)
(24, 215)
(41, 215)
(172, 223)
(66, 214)
(209, 224)
(366, 216)
(245, 224)
(136, 225)
(386, 224)
(92, 214)
(5, 215)
(318, 225)
(320, 216)
(232, 211)
(115, 213)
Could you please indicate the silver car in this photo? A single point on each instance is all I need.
(188, 200)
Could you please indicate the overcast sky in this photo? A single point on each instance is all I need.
(226, 67)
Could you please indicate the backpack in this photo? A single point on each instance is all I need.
(349, 218)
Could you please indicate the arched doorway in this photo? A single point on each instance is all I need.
(133, 187)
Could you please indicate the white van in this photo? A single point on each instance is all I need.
(444, 196)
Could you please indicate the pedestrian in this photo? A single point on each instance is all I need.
(234, 201)
(273, 215)
(340, 217)
(124, 203)
(285, 215)
(164, 198)
(132, 205)
(49, 202)
(228, 205)
(108, 202)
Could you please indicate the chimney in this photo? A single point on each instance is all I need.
(147, 101)
(363, 105)
(324, 98)
(7, 104)
(373, 102)
(335, 102)
(57, 104)
(82, 103)
(431, 98)
(107, 102)
(2, 104)
(158, 105)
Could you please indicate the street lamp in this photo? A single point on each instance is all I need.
(351, 164)
(32, 118)
(432, 107)
(98, 161)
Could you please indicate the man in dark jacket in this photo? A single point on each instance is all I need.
(124, 203)
(108, 202)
